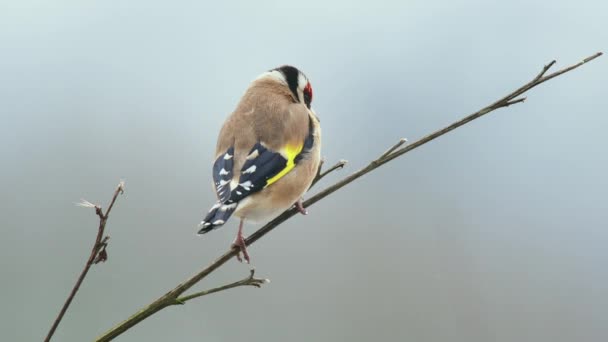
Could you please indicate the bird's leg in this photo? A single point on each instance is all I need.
(239, 241)
(301, 208)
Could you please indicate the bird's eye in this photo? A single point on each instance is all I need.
(307, 94)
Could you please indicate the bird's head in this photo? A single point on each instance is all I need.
(294, 80)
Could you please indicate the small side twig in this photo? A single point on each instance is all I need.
(545, 69)
(393, 148)
(98, 253)
(320, 174)
(248, 281)
(512, 102)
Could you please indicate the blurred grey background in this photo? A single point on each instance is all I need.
(495, 232)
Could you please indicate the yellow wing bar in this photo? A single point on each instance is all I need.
(290, 151)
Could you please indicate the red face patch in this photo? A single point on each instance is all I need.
(308, 94)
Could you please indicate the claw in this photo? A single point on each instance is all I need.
(301, 208)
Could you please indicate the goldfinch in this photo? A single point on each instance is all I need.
(267, 154)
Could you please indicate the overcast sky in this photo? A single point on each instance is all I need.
(494, 232)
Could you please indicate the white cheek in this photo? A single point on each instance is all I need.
(302, 82)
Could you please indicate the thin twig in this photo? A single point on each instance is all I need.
(394, 147)
(545, 69)
(512, 102)
(320, 174)
(248, 281)
(169, 298)
(98, 254)
(320, 168)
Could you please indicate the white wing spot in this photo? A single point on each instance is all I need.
(218, 222)
(238, 192)
(228, 206)
(251, 169)
(223, 182)
(223, 172)
(246, 185)
(253, 154)
(227, 156)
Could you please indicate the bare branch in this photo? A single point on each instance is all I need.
(545, 69)
(102, 255)
(119, 190)
(512, 102)
(393, 148)
(572, 67)
(98, 254)
(248, 281)
(320, 168)
(170, 298)
(320, 174)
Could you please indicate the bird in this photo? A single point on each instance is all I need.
(267, 154)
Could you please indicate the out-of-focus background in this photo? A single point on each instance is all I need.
(495, 232)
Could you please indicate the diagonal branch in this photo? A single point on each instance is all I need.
(170, 297)
(98, 253)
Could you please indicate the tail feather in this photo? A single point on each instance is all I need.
(217, 216)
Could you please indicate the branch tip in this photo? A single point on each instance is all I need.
(121, 186)
(512, 102)
(256, 282)
(393, 148)
(590, 58)
(320, 174)
(545, 69)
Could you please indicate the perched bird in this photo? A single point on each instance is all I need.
(267, 154)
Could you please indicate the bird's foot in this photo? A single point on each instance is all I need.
(301, 208)
(239, 242)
